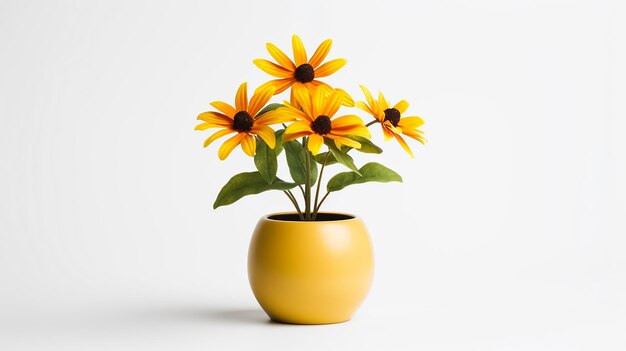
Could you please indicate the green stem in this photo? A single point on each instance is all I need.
(307, 181)
(372, 122)
(294, 202)
(301, 189)
(321, 202)
(319, 182)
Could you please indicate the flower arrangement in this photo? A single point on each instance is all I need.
(310, 120)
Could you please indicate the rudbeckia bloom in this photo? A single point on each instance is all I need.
(240, 119)
(302, 71)
(391, 120)
(315, 119)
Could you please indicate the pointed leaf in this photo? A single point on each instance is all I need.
(341, 156)
(295, 160)
(268, 108)
(366, 145)
(247, 183)
(278, 148)
(371, 172)
(319, 158)
(265, 161)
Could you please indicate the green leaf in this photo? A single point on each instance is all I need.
(247, 183)
(265, 161)
(319, 158)
(341, 156)
(366, 145)
(279, 141)
(371, 172)
(295, 160)
(268, 108)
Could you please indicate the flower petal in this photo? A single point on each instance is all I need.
(347, 120)
(280, 57)
(326, 89)
(410, 122)
(382, 102)
(225, 108)
(347, 99)
(403, 143)
(320, 53)
(266, 133)
(261, 96)
(415, 134)
(248, 144)
(363, 106)
(298, 127)
(280, 115)
(217, 135)
(229, 145)
(315, 143)
(290, 137)
(329, 68)
(279, 84)
(373, 105)
(396, 130)
(319, 98)
(333, 103)
(241, 99)
(294, 112)
(341, 140)
(353, 130)
(302, 95)
(401, 106)
(317, 83)
(350, 125)
(299, 53)
(216, 118)
(387, 133)
(207, 125)
(272, 68)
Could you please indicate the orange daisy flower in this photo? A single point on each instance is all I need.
(303, 71)
(391, 120)
(240, 120)
(315, 119)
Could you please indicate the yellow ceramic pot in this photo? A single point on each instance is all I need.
(310, 272)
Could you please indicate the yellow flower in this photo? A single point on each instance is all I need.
(302, 72)
(390, 119)
(315, 118)
(240, 120)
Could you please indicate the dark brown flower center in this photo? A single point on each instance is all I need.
(321, 125)
(304, 73)
(392, 115)
(242, 121)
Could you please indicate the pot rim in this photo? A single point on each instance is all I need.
(352, 217)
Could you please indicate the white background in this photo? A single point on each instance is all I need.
(508, 233)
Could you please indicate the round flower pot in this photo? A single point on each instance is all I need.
(310, 272)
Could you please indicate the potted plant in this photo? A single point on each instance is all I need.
(306, 266)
